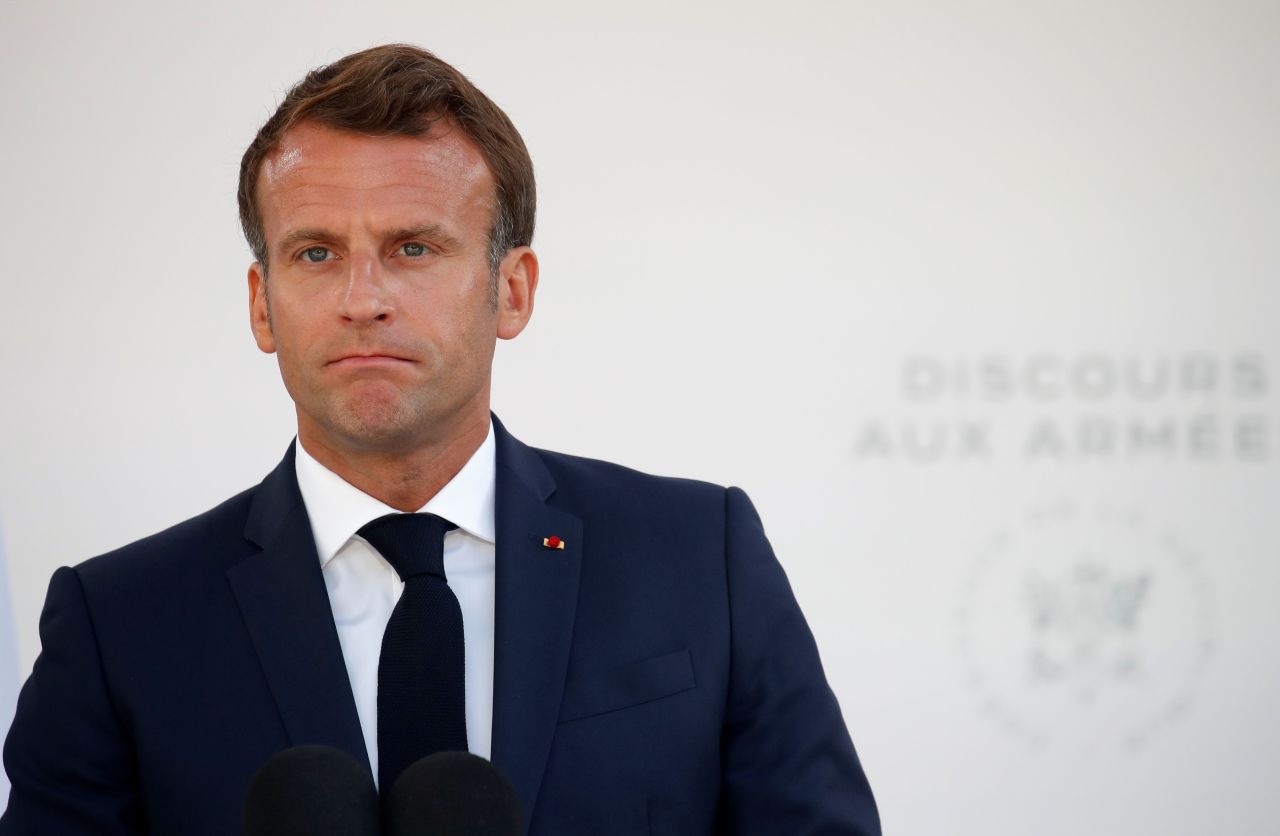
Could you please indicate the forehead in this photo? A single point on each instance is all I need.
(317, 171)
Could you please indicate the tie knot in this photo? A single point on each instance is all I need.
(412, 543)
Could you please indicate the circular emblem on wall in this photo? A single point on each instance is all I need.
(1085, 626)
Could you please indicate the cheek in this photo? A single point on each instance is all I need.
(464, 329)
(295, 336)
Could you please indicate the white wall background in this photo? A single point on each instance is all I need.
(1043, 578)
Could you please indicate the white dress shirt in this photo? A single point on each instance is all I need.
(364, 588)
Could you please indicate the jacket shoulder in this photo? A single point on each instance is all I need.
(584, 477)
(213, 539)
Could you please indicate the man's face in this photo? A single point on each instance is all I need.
(377, 299)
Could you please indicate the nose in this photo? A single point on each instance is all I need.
(366, 297)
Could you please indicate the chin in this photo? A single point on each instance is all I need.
(372, 426)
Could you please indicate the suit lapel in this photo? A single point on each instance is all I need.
(285, 607)
(286, 610)
(536, 599)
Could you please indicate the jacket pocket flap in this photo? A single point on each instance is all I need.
(633, 684)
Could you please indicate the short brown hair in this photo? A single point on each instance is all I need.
(398, 89)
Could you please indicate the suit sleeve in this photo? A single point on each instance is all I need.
(788, 764)
(70, 763)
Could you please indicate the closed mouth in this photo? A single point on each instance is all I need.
(368, 359)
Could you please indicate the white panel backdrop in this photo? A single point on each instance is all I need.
(977, 300)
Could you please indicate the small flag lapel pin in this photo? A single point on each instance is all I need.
(553, 542)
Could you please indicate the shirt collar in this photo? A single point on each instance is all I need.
(338, 509)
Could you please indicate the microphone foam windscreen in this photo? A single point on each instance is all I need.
(453, 794)
(312, 791)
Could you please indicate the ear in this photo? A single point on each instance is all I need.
(259, 313)
(517, 284)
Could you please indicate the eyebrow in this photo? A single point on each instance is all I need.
(432, 232)
(299, 236)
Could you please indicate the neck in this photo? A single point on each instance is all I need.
(404, 480)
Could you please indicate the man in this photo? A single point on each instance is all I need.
(411, 577)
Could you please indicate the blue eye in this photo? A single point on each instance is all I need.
(413, 249)
(316, 254)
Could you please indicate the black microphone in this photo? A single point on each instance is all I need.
(312, 791)
(452, 794)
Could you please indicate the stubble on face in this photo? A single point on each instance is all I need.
(439, 321)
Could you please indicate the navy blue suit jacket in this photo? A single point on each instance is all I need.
(654, 678)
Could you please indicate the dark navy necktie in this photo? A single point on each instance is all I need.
(421, 689)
